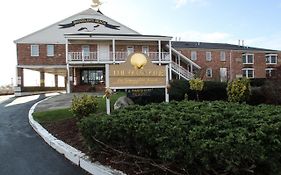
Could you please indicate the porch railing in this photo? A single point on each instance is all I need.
(76, 57)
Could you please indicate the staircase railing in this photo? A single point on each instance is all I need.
(182, 71)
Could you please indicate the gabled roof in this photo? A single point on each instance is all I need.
(86, 21)
(223, 46)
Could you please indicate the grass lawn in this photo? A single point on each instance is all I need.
(63, 114)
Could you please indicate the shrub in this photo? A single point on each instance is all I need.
(196, 85)
(83, 106)
(199, 137)
(238, 90)
(214, 90)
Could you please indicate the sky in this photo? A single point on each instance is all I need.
(257, 22)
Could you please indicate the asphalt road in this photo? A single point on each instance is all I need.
(22, 151)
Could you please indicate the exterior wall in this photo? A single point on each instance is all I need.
(25, 58)
(233, 63)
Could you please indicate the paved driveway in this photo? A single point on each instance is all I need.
(22, 151)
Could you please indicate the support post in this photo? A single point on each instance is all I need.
(167, 84)
(56, 81)
(170, 62)
(107, 86)
(67, 67)
(159, 52)
(113, 51)
(42, 79)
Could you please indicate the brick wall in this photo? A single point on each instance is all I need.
(234, 67)
(25, 58)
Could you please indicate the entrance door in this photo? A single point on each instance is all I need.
(223, 74)
(103, 52)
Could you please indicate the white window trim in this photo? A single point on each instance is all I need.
(142, 49)
(247, 74)
(224, 58)
(130, 47)
(269, 69)
(247, 61)
(211, 70)
(270, 58)
(31, 48)
(207, 56)
(53, 53)
(195, 53)
(85, 54)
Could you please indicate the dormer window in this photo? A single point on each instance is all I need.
(271, 58)
(248, 58)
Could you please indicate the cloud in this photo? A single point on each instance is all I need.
(180, 3)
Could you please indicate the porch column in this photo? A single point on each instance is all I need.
(42, 79)
(56, 81)
(20, 77)
(170, 63)
(67, 68)
(159, 52)
(113, 50)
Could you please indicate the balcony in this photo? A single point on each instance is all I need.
(108, 57)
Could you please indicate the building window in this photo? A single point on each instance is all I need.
(208, 56)
(209, 73)
(248, 73)
(270, 72)
(145, 49)
(34, 49)
(50, 50)
(271, 58)
(130, 50)
(193, 55)
(222, 56)
(92, 76)
(248, 58)
(85, 52)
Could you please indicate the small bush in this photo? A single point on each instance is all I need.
(238, 90)
(199, 137)
(197, 86)
(83, 106)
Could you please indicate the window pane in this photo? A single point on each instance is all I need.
(130, 50)
(209, 72)
(222, 56)
(50, 50)
(250, 74)
(34, 50)
(85, 51)
(145, 49)
(208, 56)
(193, 55)
(273, 59)
(244, 58)
(250, 59)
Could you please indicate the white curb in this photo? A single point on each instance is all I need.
(75, 156)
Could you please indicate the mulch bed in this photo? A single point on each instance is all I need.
(68, 132)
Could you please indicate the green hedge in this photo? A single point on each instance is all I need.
(180, 90)
(200, 137)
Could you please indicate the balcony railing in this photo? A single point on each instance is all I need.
(107, 57)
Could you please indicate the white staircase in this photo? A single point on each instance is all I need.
(183, 73)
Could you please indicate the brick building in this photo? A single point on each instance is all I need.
(224, 62)
(79, 47)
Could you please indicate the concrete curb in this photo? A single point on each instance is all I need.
(75, 156)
